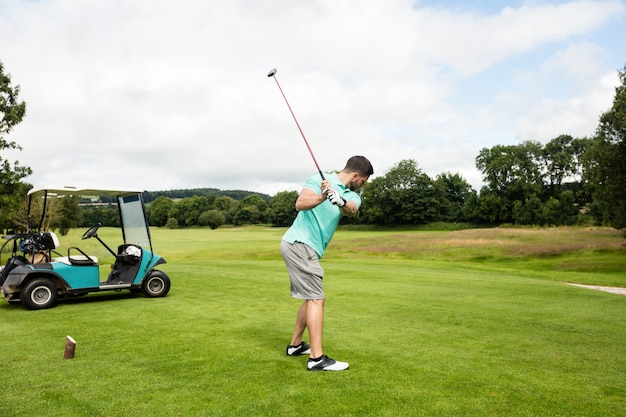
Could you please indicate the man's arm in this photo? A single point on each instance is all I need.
(349, 209)
(346, 207)
(307, 199)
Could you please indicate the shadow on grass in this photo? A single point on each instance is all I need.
(81, 299)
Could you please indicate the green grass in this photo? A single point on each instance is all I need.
(433, 323)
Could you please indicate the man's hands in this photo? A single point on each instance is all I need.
(336, 199)
(325, 188)
(308, 199)
(332, 195)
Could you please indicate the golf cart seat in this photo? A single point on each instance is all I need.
(127, 263)
(77, 260)
(49, 240)
(128, 254)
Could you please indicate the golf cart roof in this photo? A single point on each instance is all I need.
(133, 221)
(72, 190)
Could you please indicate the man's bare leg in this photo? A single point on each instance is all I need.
(300, 326)
(315, 323)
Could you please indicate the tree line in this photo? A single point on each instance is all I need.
(566, 181)
(149, 196)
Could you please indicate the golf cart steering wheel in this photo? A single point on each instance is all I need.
(92, 231)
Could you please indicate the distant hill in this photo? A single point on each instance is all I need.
(150, 196)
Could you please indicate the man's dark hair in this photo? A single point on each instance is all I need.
(360, 165)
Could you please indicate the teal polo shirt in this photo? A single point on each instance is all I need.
(316, 227)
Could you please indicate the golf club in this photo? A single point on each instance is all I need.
(272, 74)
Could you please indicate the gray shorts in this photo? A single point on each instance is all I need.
(305, 271)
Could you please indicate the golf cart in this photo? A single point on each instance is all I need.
(36, 275)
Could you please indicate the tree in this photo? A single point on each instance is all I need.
(212, 218)
(71, 215)
(563, 163)
(251, 210)
(254, 200)
(23, 222)
(160, 210)
(512, 173)
(562, 211)
(404, 195)
(190, 209)
(107, 214)
(453, 192)
(228, 206)
(484, 208)
(528, 212)
(171, 223)
(282, 208)
(248, 215)
(606, 160)
(561, 159)
(12, 189)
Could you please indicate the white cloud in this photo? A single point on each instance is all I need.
(159, 95)
(577, 116)
(470, 43)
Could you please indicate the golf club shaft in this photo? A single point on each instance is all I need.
(273, 74)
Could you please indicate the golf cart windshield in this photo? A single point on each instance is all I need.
(134, 224)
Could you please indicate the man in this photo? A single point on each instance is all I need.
(320, 206)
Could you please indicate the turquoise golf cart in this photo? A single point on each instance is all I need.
(36, 275)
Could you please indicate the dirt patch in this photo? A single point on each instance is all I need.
(614, 290)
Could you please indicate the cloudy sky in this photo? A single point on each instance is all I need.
(162, 94)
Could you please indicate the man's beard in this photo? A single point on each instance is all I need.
(354, 187)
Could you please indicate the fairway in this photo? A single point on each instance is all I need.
(433, 323)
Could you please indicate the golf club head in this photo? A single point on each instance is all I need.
(272, 72)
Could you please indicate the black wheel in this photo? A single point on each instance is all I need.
(92, 231)
(38, 294)
(156, 284)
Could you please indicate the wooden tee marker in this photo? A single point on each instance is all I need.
(70, 346)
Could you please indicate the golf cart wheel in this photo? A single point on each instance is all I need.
(39, 293)
(157, 284)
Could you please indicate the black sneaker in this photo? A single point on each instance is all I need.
(324, 363)
(298, 350)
